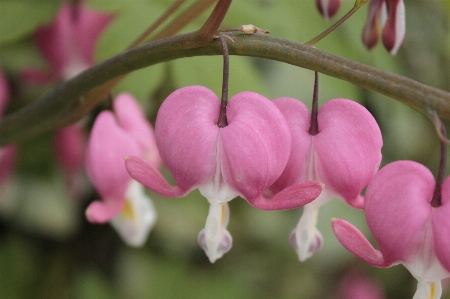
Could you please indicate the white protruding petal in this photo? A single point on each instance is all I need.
(384, 14)
(306, 239)
(214, 238)
(400, 27)
(137, 217)
(325, 4)
(428, 290)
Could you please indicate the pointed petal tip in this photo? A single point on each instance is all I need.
(292, 197)
(100, 212)
(355, 242)
(151, 178)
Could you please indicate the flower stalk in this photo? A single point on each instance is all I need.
(358, 5)
(222, 121)
(436, 201)
(314, 126)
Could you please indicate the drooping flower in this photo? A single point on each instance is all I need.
(328, 8)
(123, 203)
(68, 44)
(406, 227)
(389, 15)
(241, 158)
(343, 155)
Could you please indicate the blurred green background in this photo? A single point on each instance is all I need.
(48, 250)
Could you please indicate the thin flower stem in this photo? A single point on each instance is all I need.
(222, 121)
(214, 21)
(157, 23)
(197, 38)
(185, 18)
(314, 126)
(436, 201)
(66, 104)
(358, 5)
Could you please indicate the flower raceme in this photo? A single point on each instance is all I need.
(242, 158)
(405, 225)
(389, 15)
(116, 135)
(68, 45)
(343, 155)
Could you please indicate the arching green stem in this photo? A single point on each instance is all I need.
(65, 104)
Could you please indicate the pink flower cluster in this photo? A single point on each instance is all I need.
(274, 154)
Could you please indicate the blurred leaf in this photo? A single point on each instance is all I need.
(19, 18)
(19, 55)
(130, 21)
(141, 82)
(92, 285)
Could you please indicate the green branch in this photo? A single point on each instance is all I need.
(65, 104)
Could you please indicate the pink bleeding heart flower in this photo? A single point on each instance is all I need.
(124, 204)
(407, 229)
(389, 15)
(328, 8)
(343, 155)
(242, 158)
(68, 44)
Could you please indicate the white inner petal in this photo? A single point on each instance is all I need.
(427, 269)
(137, 217)
(214, 238)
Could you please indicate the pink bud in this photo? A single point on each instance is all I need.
(328, 8)
(389, 15)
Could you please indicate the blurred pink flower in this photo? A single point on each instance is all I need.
(68, 44)
(343, 155)
(69, 147)
(407, 229)
(8, 153)
(114, 136)
(4, 93)
(357, 285)
(328, 8)
(242, 158)
(389, 15)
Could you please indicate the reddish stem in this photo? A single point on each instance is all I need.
(436, 201)
(222, 121)
(313, 125)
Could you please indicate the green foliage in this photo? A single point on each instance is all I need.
(19, 18)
